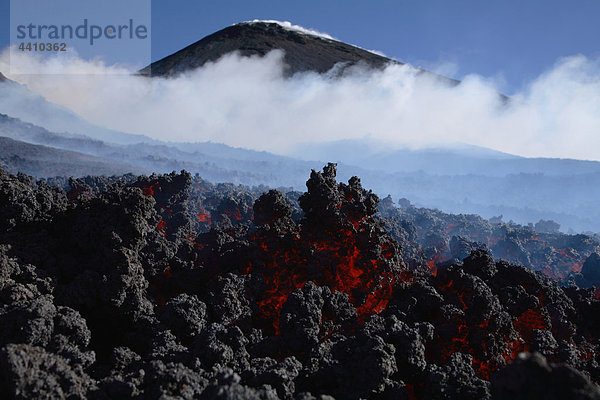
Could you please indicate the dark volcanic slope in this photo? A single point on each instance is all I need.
(213, 161)
(43, 161)
(302, 52)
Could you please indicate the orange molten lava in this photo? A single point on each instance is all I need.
(338, 263)
(162, 227)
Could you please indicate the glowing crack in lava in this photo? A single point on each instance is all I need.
(337, 244)
(339, 264)
(148, 191)
(204, 217)
(162, 227)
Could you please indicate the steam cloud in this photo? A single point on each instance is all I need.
(247, 102)
(297, 28)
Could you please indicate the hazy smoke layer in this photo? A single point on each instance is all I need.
(246, 102)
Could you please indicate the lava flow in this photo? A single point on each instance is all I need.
(337, 245)
(169, 286)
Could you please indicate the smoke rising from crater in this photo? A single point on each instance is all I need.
(247, 102)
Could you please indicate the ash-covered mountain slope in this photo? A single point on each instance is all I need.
(214, 161)
(17, 129)
(304, 52)
(451, 159)
(44, 161)
(18, 101)
(112, 290)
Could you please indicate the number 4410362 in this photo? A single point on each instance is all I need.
(42, 46)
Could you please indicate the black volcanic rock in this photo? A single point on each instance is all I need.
(111, 291)
(591, 268)
(532, 377)
(32, 373)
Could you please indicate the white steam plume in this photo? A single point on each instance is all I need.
(247, 102)
(291, 27)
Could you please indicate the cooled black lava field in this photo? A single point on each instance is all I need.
(171, 287)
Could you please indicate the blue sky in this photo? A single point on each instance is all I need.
(511, 40)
